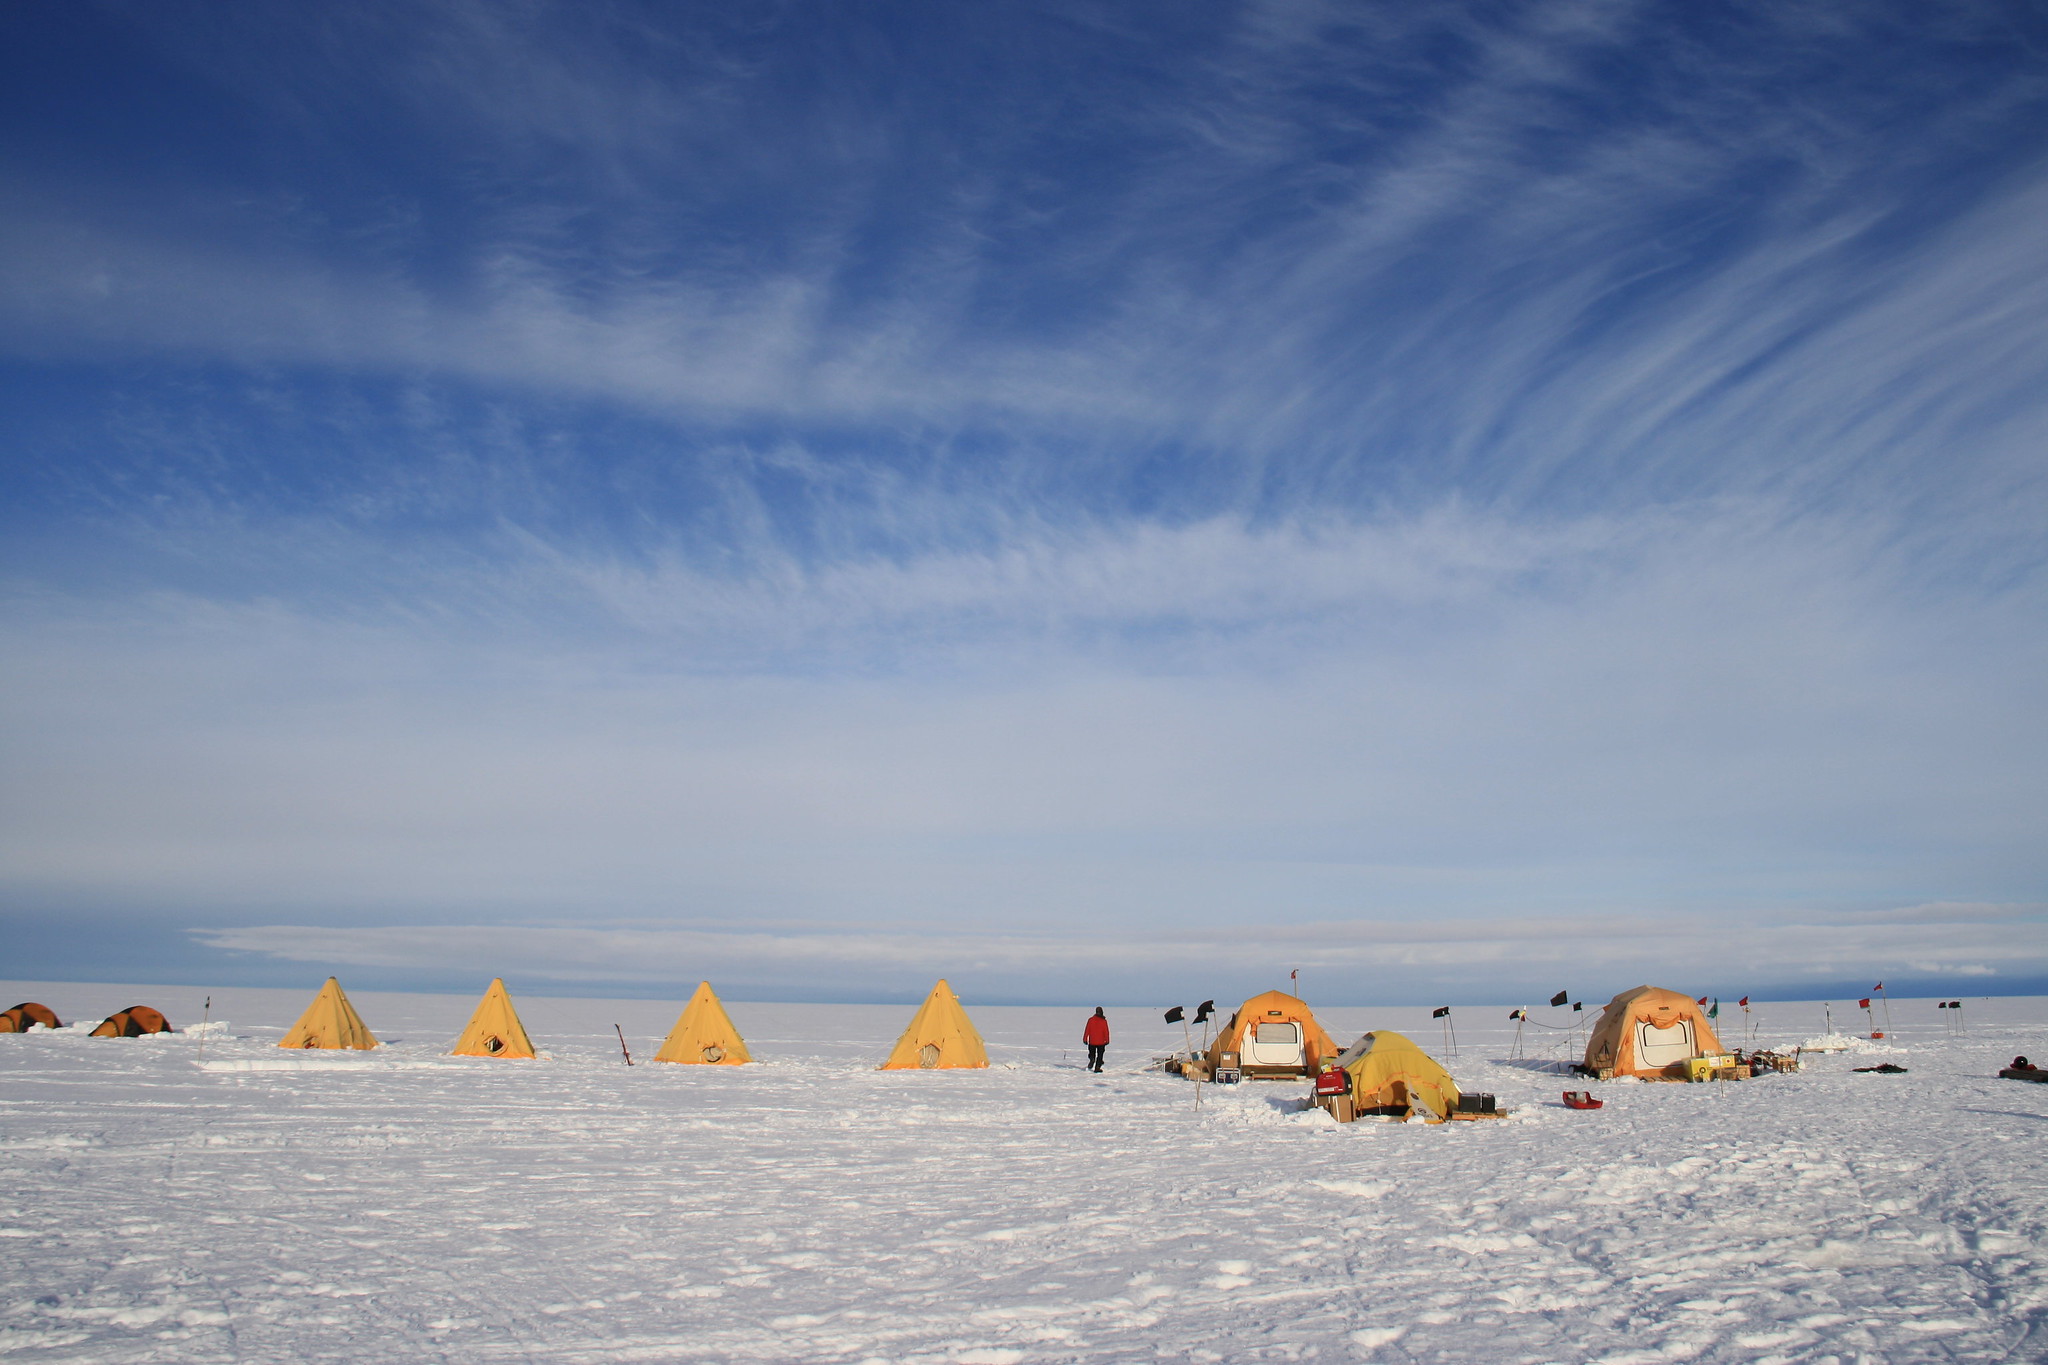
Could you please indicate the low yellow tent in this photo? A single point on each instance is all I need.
(704, 1035)
(940, 1037)
(494, 1030)
(330, 1021)
(1388, 1072)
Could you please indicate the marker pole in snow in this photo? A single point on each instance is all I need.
(1881, 995)
(622, 1043)
(204, 1019)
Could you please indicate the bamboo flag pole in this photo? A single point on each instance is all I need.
(622, 1043)
(204, 1020)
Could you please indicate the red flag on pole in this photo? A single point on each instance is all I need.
(1864, 1003)
(1703, 1000)
(1878, 987)
(1744, 1002)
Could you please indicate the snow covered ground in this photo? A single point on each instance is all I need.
(405, 1206)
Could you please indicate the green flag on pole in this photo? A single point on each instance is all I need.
(1715, 1012)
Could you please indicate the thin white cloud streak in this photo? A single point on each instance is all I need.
(1347, 961)
(1686, 721)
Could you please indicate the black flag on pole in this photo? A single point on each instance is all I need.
(1519, 1014)
(1440, 1013)
(1578, 1004)
(1175, 1015)
(1204, 1010)
(1559, 998)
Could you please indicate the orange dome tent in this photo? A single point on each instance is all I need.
(1275, 1034)
(704, 1035)
(940, 1037)
(132, 1022)
(331, 1022)
(1650, 1033)
(494, 1030)
(18, 1019)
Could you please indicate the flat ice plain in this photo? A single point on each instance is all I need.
(406, 1206)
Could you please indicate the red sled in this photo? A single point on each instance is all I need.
(1580, 1099)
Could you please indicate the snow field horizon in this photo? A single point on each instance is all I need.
(403, 1205)
(1546, 1018)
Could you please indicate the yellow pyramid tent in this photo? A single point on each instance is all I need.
(494, 1030)
(940, 1037)
(704, 1035)
(330, 1021)
(1389, 1074)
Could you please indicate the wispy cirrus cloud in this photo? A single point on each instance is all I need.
(1682, 286)
(1294, 463)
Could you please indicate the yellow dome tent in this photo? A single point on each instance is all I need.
(1388, 1073)
(1650, 1033)
(494, 1030)
(940, 1037)
(704, 1035)
(330, 1021)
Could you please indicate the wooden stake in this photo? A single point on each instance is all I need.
(622, 1043)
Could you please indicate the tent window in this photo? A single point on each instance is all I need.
(928, 1056)
(494, 1045)
(714, 1053)
(1660, 1047)
(1273, 1045)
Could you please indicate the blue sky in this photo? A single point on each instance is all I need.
(1099, 502)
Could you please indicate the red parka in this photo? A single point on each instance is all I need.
(1096, 1034)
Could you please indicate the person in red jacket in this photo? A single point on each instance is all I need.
(1096, 1034)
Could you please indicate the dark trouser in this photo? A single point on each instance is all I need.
(1095, 1051)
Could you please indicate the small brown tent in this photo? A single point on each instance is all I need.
(28, 1012)
(331, 1022)
(1650, 1033)
(494, 1030)
(1275, 1034)
(704, 1034)
(132, 1022)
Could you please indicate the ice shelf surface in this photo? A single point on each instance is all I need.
(403, 1205)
